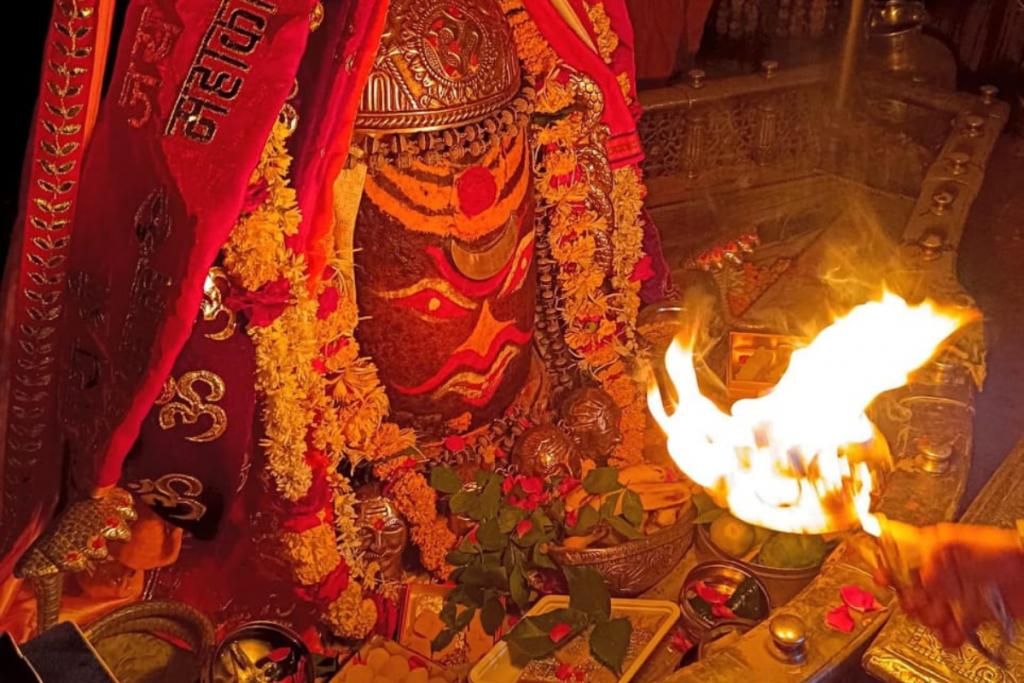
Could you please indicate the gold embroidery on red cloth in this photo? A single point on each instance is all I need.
(154, 39)
(216, 76)
(193, 406)
(176, 493)
(213, 305)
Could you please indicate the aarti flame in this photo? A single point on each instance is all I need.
(798, 458)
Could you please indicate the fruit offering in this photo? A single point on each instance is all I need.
(387, 662)
(651, 498)
(757, 545)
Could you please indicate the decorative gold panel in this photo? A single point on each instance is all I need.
(906, 652)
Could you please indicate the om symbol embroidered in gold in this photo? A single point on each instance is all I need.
(176, 493)
(181, 400)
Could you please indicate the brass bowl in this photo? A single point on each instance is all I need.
(631, 568)
(248, 654)
(127, 640)
(782, 584)
(721, 572)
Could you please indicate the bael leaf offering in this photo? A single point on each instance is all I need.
(601, 480)
(445, 480)
(609, 642)
(587, 592)
(492, 614)
(532, 637)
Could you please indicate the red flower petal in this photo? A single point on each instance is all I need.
(840, 619)
(723, 612)
(472, 536)
(507, 484)
(567, 485)
(524, 527)
(454, 443)
(680, 641)
(858, 599)
(558, 632)
(572, 517)
(327, 303)
(532, 484)
(564, 671)
(709, 594)
(278, 655)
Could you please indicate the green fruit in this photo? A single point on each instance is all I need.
(793, 551)
(733, 537)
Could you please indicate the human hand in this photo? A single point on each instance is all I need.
(958, 564)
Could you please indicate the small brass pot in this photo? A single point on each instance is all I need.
(782, 584)
(631, 568)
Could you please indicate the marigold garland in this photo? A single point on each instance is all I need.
(600, 320)
(317, 390)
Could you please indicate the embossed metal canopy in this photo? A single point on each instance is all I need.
(441, 63)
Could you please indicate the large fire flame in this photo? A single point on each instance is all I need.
(798, 458)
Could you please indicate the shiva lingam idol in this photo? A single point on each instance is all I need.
(445, 229)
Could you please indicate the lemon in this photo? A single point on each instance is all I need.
(734, 537)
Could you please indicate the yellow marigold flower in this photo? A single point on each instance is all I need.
(554, 97)
(607, 39)
(351, 615)
(312, 554)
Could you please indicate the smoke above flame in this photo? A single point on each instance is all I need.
(802, 458)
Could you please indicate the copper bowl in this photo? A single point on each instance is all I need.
(633, 567)
(782, 584)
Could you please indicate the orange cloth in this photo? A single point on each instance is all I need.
(89, 596)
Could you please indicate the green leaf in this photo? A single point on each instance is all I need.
(447, 613)
(491, 559)
(601, 480)
(625, 528)
(632, 508)
(490, 499)
(509, 517)
(443, 640)
(485, 577)
(609, 643)
(541, 520)
(587, 592)
(465, 503)
(609, 505)
(541, 558)
(492, 615)
(490, 537)
(483, 478)
(530, 638)
(459, 558)
(704, 503)
(469, 547)
(445, 480)
(709, 516)
(585, 521)
(518, 589)
(747, 602)
(464, 618)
